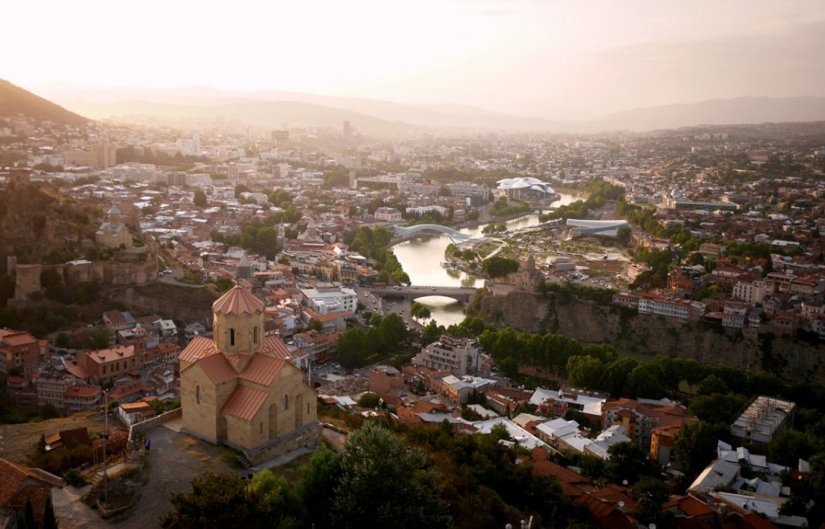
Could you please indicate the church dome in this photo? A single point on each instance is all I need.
(114, 210)
(237, 301)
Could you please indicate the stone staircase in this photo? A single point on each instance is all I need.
(244, 461)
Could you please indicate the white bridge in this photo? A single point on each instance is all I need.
(409, 231)
(608, 228)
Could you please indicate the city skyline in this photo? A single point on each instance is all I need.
(557, 60)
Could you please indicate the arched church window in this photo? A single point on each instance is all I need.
(232, 337)
(197, 394)
(255, 334)
(286, 402)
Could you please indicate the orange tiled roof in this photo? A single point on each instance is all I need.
(693, 507)
(12, 477)
(244, 402)
(262, 369)
(82, 391)
(200, 347)
(21, 338)
(217, 368)
(274, 346)
(237, 301)
(564, 475)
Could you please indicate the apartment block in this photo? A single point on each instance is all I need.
(461, 356)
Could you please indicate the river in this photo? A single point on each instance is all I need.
(421, 258)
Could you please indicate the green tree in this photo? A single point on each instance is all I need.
(628, 462)
(317, 483)
(49, 519)
(28, 515)
(717, 407)
(280, 500)
(642, 383)
(352, 348)
(431, 332)
(216, 501)
(385, 483)
(695, 445)
(499, 266)
(393, 329)
(790, 446)
(650, 494)
(369, 400)
(62, 340)
(712, 384)
(200, 199)
(616, 374)
(97, 338)
(585, 371)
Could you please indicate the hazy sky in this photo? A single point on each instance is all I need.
(550, 58)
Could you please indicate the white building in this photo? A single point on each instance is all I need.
(461, 356)
(751, 292)
(764, 419)
(388, 214)
(330, 299)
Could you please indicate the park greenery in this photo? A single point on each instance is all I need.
(504, 207)
(716, 395)
(420, 311)
(373, 243)
(498, 266)
(599, 193)
(358, 347)
(386, 477)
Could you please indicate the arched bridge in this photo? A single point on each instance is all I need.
(414, 292)
(409, 231)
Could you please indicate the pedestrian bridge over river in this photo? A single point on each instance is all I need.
(414, 292)
(408, 231)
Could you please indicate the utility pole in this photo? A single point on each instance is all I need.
(105, 438)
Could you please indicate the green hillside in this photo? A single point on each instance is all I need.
(15, 100)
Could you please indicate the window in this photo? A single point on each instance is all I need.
(232, 337)
(262, 428)
(255, 334)
(286, 402)
(307, 407)
(197, 394)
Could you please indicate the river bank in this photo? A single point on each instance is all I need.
(421, 259)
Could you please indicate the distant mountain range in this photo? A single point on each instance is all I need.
(738, 111)
(385, 118)
(15, 100)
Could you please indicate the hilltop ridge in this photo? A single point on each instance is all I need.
(15, 100)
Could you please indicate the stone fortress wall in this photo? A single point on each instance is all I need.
(135, 266)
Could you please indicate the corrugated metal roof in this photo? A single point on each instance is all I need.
(237, 301)
(200, 347)
(263, 369)
(217, 368)
(244, 402)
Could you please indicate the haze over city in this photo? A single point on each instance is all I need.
(555, 60)
(459, 264)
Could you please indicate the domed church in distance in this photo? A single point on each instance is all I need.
(241, 389)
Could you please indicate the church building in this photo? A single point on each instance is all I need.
(528, 278)
(113, 232)
(241, 388)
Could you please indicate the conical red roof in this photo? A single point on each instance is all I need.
(237, 301)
